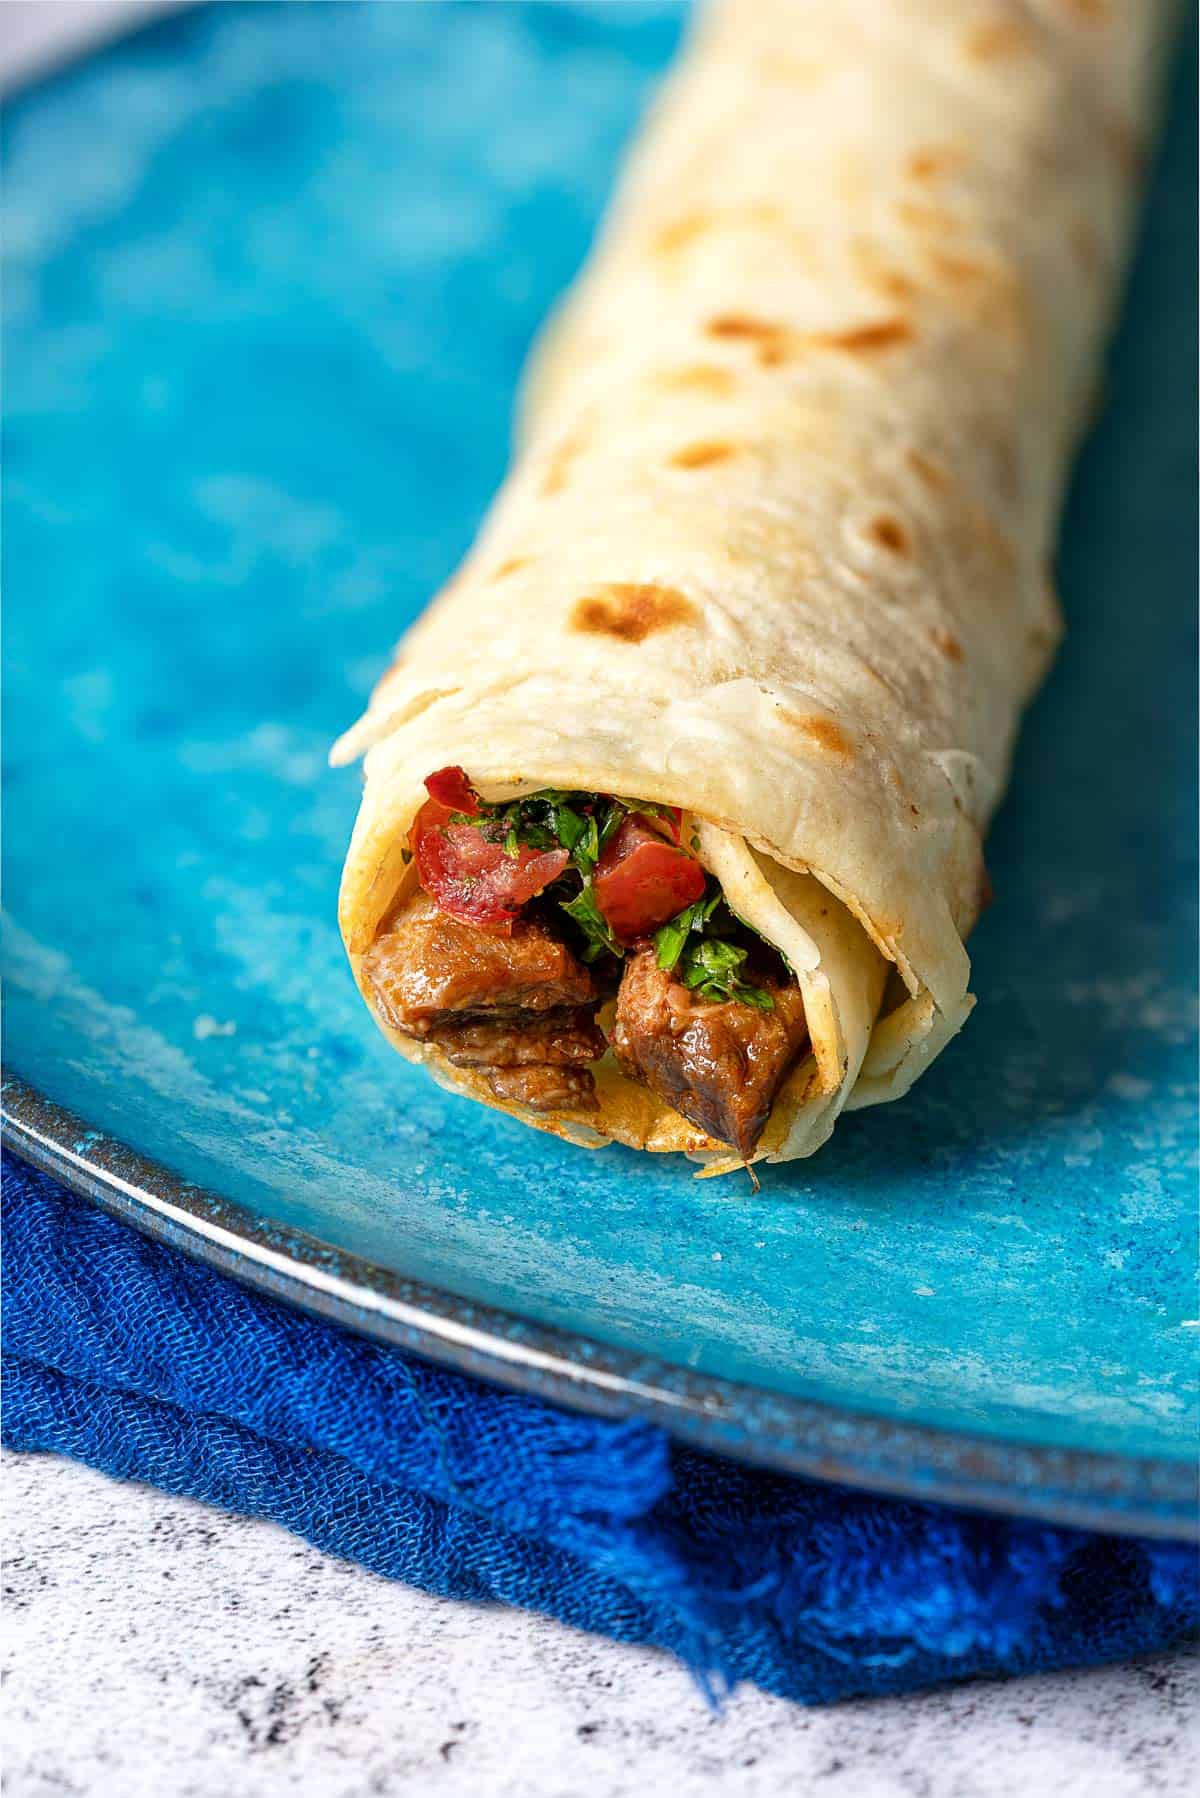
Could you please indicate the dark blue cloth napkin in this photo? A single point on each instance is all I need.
(127, 1355)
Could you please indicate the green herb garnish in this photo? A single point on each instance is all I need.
(592, 922)
(670, 940)
(569, 826)
(580, 823)
(614, 817)
(706, 961)
(696, 945)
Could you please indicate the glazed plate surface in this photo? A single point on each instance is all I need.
(271, 274)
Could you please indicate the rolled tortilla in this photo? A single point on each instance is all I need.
(775, 549)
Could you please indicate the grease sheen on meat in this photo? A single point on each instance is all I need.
(519, 1008)
(428, 968)
(719, 1063)
(544, 1088)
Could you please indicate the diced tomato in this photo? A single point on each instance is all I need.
(468, 873)
(451, 788)
(641, 881)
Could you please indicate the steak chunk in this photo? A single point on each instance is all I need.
(718, 1063)
(520, 1008)
(556, 1039)
(427, 969)
(544, 1089)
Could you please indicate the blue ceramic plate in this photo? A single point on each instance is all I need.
(271, 275)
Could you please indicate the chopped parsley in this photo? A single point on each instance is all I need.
(580, 823)
(598, 938)
(695, 943)
(669, 942)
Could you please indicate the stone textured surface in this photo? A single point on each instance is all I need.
(153, 1647)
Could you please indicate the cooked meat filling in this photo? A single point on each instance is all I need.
(520, 1008)
(718, 1063)
(556, 1039)
(428, 968)
(544, 1088)
(713, 1034)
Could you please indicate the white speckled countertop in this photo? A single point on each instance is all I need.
(157, 1649)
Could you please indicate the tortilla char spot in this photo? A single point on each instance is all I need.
(699, 377)
(771, 341)
(948, 643)
(929, 471)
(826, 733)
(1091, 12)
(702, 455)
(891, 282)
(928, 164)
(511, 567)
(995, 40)
(884, 334)
(631, 611)
(558, 467)
(887, 530)
(957, 271)
(739, 325)
(881, 275)
(681, 232)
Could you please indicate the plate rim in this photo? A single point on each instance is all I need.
(1155, 1496)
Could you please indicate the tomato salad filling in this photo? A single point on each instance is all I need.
(533, 913)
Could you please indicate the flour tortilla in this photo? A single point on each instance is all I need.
(776, 546)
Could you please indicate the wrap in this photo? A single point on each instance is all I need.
(775, 547)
